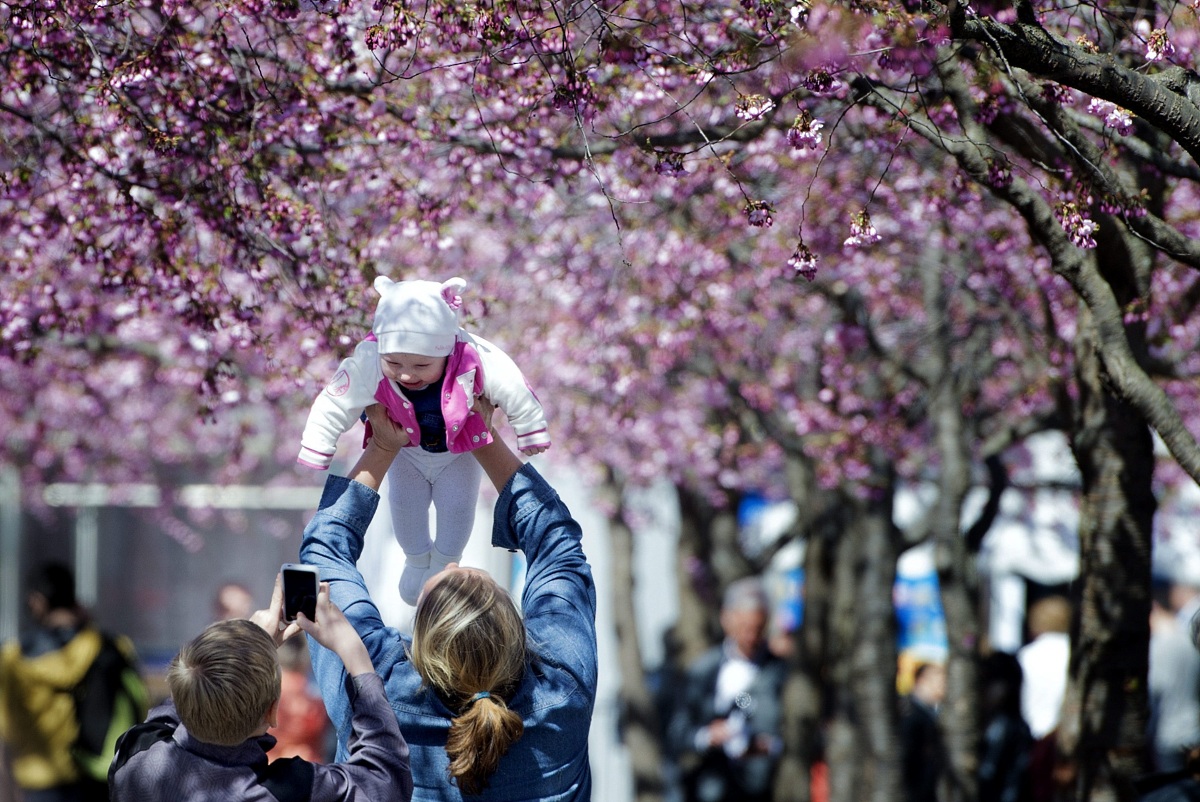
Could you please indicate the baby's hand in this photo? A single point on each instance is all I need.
(529, 451)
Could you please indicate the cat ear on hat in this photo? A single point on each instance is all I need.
(450, 291)
(382, 284)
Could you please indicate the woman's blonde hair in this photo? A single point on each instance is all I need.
(224, 681)
(469, 645)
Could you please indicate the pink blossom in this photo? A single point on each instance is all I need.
(1078, 227)
(988, 109)
(1158, 46)
(804, 262)
(1057, 93)
(759, 213)
(805, 133)
(862, 233)
(670, 164)
(751, 107)
(820, 81)
(999, 174)
(1115, 117)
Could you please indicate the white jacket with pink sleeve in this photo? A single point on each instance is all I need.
(474, 368)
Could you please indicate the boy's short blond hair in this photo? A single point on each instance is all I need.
(224, 681)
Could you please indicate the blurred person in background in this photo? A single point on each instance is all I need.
(232, 600)
(727, 730)
(65, 688)
(923, 757)
(302, 728)
(1173, 682)
(1044, 664)
(1006, 745)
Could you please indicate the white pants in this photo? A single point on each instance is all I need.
(450, 482)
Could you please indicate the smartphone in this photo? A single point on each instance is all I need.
(300, 584)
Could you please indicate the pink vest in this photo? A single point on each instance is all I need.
(465, 429)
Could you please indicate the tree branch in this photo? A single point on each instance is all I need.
(1163, 101)
(1077, 266)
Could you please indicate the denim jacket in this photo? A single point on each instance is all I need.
(549, 763)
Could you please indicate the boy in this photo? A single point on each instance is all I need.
(209, 740)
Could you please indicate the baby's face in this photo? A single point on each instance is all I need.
(412, 371)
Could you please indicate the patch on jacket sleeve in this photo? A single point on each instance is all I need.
(339, 384)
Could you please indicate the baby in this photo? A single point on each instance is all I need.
(427, 372)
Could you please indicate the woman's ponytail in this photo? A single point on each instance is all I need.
(467, 635)
(478, 739)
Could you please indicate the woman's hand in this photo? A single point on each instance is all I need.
(387, 438)
(386, 434)
(485, 409)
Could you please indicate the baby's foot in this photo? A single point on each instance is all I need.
(439, 561)
(438, 564)
(416, 569)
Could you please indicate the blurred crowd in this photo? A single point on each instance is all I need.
(722, 715)
(68, 688)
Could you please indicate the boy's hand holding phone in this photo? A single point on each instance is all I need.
(299, 590)
(335, 633)
(272, 619)
(328, 626)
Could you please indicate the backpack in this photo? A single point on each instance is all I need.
(110, 699)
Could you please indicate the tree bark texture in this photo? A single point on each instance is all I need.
(1104, 724)
(641, 729)
(863, 747)
(709, 559)
(950, 385)
(807, 688)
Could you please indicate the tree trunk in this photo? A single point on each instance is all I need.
(955, 563)
(863, 751)
(1105, 717)
(807, 682)
(640, 726)
(709, 559)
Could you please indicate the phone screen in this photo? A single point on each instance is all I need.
(299, 593)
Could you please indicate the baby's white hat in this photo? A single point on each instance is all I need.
(417, 316)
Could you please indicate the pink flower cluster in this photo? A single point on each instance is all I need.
(999, 174)
(1124, 206)
(751, 107)
(820, 82)
(1115, 117)
(395, 35)
(862, 232)
(1056, 93)
(758, 212)
(1158, 46)
(760, 9)
(805, 133)
(670, 164)
(1081, 229)
(804, 262)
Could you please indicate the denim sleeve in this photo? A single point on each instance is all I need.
(559, 601)
(333, 541)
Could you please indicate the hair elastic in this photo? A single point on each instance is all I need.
(480, 695)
